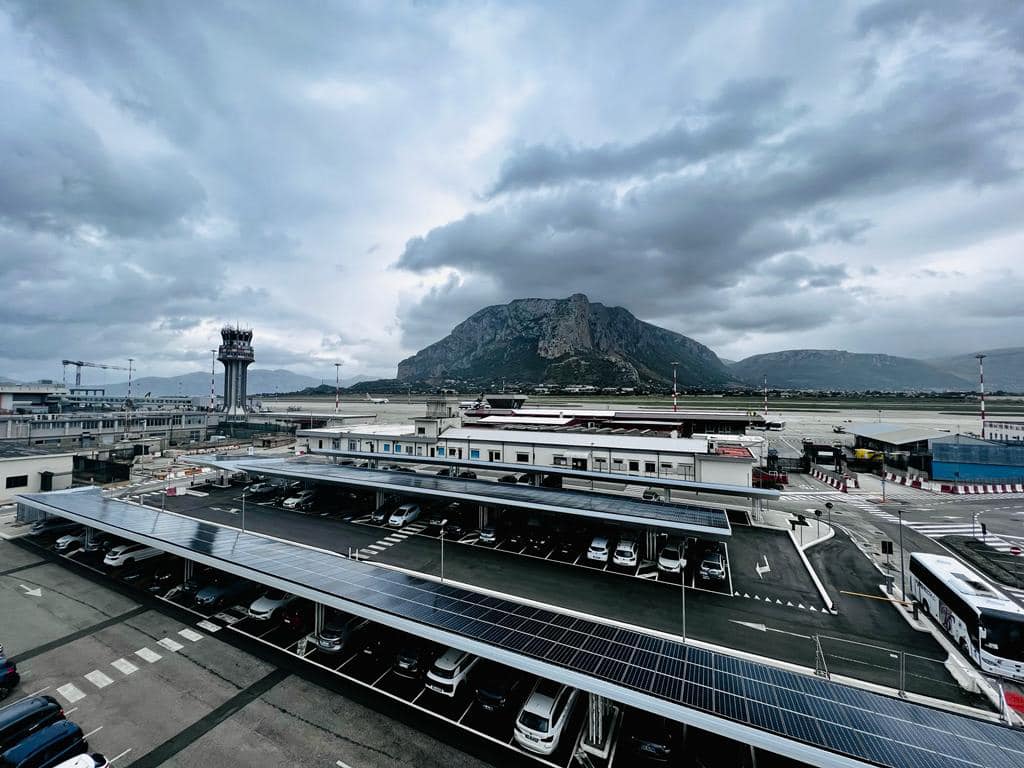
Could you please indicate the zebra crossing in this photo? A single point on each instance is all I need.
(857, 501)
(394, 536)
(937, 530)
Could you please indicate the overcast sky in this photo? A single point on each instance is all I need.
(353, 180)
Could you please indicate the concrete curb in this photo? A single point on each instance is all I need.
(814, 576)
(829, 533)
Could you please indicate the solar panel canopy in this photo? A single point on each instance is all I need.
(621, 509)
(804, 717)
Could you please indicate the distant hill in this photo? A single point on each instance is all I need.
(563, 341)
(261, 381)
(1004, 368)
(837, 370)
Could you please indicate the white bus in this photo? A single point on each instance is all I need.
(986, 624)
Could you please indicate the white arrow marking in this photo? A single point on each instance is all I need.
(37, 592)
(763, 628)
(762, 569)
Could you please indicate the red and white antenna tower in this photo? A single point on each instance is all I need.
(981, 381)
(213, 378)
(766, 394)
(337, 387)
(675, 391)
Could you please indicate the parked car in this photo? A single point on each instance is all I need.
(496, 685)
(543, 717)
(379, 515)
(201, 576)
(651, 495)
(95, 760)
(539, 543)
(46, 747)
(413, 658)
(597, 552)
(257, 490)
(296, 615)
(626, 553)
(651, 738)
(70, 541)
(377, 641)
(302, 500)
(526, 478)
(712, 567)
(336, 631)
(449, 670)
(435, 524)
(454, 530)
(489, 534)
(163, 579)
(467, 474)
(516, 540)
(100, 543)
(403, 515)
(269, 604)
(9, 677)
(224, 591)
(51, 526)
(128, 554)
(672, 557)
(444, 472)
(23, 718)
(508, 479)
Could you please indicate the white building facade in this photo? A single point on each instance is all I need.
(26, 471)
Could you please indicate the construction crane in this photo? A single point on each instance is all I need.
(80, 364)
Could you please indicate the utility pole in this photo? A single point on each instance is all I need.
(981, 382)
(903, 574)
(337, 387)
(675, 391)
(213, 377)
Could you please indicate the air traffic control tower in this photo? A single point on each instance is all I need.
(236, 353)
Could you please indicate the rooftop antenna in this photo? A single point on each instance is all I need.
(337, 387)
(766, 395)
(675, 390)
(981, 382)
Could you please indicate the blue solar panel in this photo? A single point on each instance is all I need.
(838, 718)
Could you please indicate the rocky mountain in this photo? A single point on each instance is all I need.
(261, 381)
(833, 369)
(563, 341)
(1004, 368)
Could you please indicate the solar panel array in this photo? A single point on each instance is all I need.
(844, 720)
(698, 519)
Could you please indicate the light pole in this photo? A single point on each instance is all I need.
(828, 506)
(442, 555)
(243, 510)
(337, 386)
(903, 574)
(682, 592)
(675, 391)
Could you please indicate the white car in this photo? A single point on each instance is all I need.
(265, 607)
(70, 542)
(671, 558)
(449, 670)
(403, 515)
(95, 760)
(126, 554)
(543, 717)
(598, 550)
(301, 500)
(626, 553)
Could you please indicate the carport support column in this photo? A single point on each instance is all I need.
(318, 617)
(597, 720)
(188, 569)
(380, 499)
(483, 516)
(650, 544)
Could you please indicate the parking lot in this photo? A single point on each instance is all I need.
(105, 671)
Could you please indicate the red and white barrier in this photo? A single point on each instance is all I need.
(980, 489)
(829, 479)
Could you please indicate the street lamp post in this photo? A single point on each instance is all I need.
(682, 592)
(243, 510)
(903, 574)
(442, 555)
(828, 506)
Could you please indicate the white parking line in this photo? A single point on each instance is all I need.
(98, 679)
(170, 645)
(118, 757)
(71, 693)
(147, 655)
(342, 764)
(90, 733)
(124, 666)
(209, 626)
(190, 634)
(70, 711)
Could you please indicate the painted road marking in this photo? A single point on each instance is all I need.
(98, 679)
(147, 655)
(90, 733)
(124, 666)
(171, 645)
(209, 626)
(190, 634)
(71, 693)
(118, 757)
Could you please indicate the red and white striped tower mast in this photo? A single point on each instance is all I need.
(675, 391)
(213, 378)
(337, 387)
(981, 381)
(766, 395)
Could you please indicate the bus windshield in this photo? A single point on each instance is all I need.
(1004, 637)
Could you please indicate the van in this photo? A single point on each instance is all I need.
(449, 670)
(24, 717)
(46, 747)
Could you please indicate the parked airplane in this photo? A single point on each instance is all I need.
(377, 400)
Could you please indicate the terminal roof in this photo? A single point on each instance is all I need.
(800, 716)
(691, 519)
(894, 434)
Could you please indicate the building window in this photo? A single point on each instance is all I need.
(494, 455)
(523, 458)
(666, 466)
(419, 450)
(650, 466)
(320, 443)
(398, 447)
(17, 481)
(387, 447)
(351, 445)
(474, 454)
(559, 461)
(634, 466)
(421, 430)
(440, 451)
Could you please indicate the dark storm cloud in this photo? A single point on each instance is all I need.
(710, 217)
